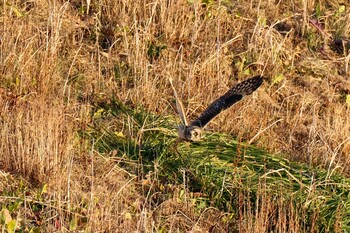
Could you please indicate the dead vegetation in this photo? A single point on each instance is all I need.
(59, 57)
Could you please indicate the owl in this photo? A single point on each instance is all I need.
(193, 131)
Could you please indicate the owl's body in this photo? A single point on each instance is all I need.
(193, 131)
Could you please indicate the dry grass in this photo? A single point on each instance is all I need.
(57, 56)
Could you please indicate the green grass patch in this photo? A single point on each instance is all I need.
(229, 175)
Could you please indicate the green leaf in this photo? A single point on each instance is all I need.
(98, 113)
(246, 72)
(16, 10)
(182, 193)
(35, 230)
(162, 230)
(128, 215)
(201, 205)
(341, 9)
(262, 21)
(11, 226)
(17, 81)
(73, 224)
(318, 10)
(277, 79)
(119, 134)
(44, 189)
(347, 99)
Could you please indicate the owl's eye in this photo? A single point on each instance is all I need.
(195, 133)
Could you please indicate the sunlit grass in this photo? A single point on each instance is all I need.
(219, 169)
(88, 128)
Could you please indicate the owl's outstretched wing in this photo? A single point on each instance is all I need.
(235, 94)
(179, 106)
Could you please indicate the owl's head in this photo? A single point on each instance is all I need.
(190, 133)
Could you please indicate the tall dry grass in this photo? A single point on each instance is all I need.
(208, 48)
(57, 55)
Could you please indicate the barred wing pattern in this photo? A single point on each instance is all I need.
(232, 96)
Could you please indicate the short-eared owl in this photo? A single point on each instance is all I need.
(193, 131)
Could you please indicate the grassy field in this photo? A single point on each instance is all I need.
(88, 117)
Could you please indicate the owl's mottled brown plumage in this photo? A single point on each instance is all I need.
(232, 96)
(193, 131)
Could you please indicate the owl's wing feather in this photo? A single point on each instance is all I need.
(232, 96)
(179, 106)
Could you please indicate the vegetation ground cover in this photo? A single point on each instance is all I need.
(88, 124)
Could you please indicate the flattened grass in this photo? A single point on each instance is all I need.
(223, 173)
